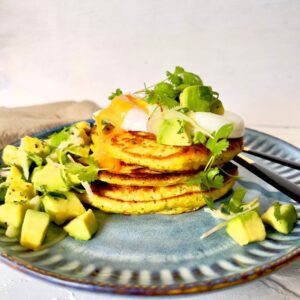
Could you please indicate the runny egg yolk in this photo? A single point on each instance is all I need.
(109, 122)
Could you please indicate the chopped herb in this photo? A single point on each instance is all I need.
(219, 142)
(209, 202)
(84, 173)
(236, 201)
(117, 92)
(57, 138)
(199, 138)
(35, 158)
(208, 179)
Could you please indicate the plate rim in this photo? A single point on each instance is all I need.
(153, 290)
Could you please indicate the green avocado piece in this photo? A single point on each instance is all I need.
(12, 214)
(12, 231)
(49, 177)
(82, 227)
(14, 174)
(284, 223)
(19, 190)
(217, 107)
(34, 229)
(246, 228)
(191, 98)
(35, 145)
(10, 155)
(174, 132)
(62, 210)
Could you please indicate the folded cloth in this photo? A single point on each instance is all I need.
(17, 122)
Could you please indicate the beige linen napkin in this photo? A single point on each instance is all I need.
(17, 122)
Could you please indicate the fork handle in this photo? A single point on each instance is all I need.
(286, 187)
(276, 159)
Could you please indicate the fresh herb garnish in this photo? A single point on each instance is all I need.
(209, 202)
(38, 160)
(211, 177)
(199, 138)
(208, 179)
(117, 92)
(83, 173)
(57, 138)
(235, 203)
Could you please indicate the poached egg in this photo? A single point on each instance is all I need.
(135, 114)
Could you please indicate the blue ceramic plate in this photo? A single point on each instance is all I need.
(160, 255)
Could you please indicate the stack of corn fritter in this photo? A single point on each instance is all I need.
(152, 177)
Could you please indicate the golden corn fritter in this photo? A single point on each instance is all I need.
(134, 175)
(186, 202)
(173, 199)
(141, 148)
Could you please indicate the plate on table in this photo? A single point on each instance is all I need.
(163, 254)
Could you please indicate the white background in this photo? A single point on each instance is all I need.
(249, 51)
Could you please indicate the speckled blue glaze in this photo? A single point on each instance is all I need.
(160, 254)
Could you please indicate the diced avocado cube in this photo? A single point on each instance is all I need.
(35, 203)
(10, 155)
(287, 218)
(82, 227)
(246, 228)
(217, 107)
(14, 174)
(34, 229)
(35, 145)
(19, 190)
(62, 210)
(12, 214)
(196, 98)
(12, 232)
(50, 178)
(174, 132)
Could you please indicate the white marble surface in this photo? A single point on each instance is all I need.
(71, 49)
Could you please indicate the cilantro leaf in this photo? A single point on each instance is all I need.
(182, 79)
(216, 148)
(35, 158)
(218, 143)
(57, 138)
(163, 94)
(236, 201)
(209, 202)
(208, 179)
(224, 131)
(84, 173)
(117, 92)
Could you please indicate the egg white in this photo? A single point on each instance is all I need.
(213, 122)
